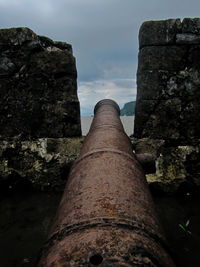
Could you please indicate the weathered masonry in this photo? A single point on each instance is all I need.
(168, 101)
(39, 109)
(38, 90)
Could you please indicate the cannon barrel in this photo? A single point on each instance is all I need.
(106, 216)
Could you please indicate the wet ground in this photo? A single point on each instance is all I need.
(25, 221)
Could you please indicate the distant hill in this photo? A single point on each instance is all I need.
(128, 109)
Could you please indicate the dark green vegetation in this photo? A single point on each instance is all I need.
(128, 109)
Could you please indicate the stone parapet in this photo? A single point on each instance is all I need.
(38, 88)
(42, 164)
(177, 167)
(168, 80)
(168, 96)
(39, 111)
(169, 32)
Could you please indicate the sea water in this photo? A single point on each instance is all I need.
(127, 121)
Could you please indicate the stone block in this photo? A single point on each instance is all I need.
(155, 119)
(38, 86)
(187, 38)
(143, 110)
(177, 167)
(159, 32)
(175, 119)
(194, 57)
(167, 111)
(41, 164)
(56, 63)
(156, 84)
(14, 37)
(190, 118)
(169, 58)
(191, 25)
(161, 123)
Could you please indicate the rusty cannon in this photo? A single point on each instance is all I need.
(106, 216)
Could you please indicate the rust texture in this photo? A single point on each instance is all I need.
(106, 216)
(147, 161)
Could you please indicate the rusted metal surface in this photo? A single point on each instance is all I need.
(147, 161)
(106, 216)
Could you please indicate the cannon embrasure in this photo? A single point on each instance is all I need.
(106, 216)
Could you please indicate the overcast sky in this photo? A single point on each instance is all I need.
(103, 34)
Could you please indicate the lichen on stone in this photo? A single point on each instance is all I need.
(167, 111)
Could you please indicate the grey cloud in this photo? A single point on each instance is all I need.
(120, 90)
(103, 33)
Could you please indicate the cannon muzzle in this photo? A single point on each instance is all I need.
(106, 216)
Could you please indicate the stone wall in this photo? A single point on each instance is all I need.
(39, 110)
(38, 90)
(167, 111)
(42, 164)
